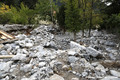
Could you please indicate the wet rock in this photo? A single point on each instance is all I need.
(115, 73)
(56, 77)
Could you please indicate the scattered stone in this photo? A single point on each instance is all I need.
(48, 54)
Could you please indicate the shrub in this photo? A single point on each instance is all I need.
(5, 14)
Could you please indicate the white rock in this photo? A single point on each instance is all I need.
(72, 53)
(99, 67)
(56, 77)
(3, 52)
(28, 45)
(25, 79)
(76, 45)
(115, 73)
(84, 74)
(75, 79)
(110, 78)
(27, 67)
(41, 64)
(20, 57)
(5, 66)
(93, 52)
(72, 59)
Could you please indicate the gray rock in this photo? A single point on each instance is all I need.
(112, 44)
(72, 59)
(41, 64)
(75, 79)
(112, 57)
(58, 67)
(25, 79)
(3, 52)
(56, 77)
(29, 45)
(76, 45)
(110, 78)
(26, 68)
(20, 57)
(115, 73)
(5, 66)
(71, 52)
(93, 52)
(21, 36)
(84, 74)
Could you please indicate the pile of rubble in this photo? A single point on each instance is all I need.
(46, 56)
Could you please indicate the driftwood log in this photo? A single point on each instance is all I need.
(6, 56)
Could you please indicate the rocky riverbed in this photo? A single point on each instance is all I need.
(47, 54)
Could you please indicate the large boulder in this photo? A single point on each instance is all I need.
(76, 45)
(92, 52)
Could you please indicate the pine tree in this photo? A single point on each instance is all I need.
(61, 17)
(72, 16)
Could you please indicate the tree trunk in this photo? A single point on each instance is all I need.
(82, 32)
(74, 36)
(64, 30)
(90, 27)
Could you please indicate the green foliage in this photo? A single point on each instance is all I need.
(45, 8)
(16, 3)
(5, 14)
(72, 16)
(113, 21)
(61, 17)
(5, 18)
(19, 17)
(22, 15)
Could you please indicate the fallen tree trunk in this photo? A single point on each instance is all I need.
(6, 56)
